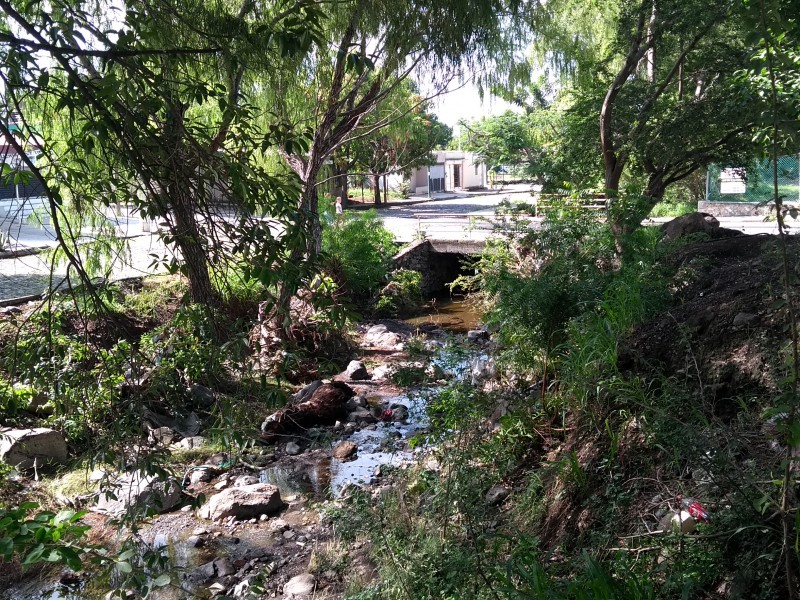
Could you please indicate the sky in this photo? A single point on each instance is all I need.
(465, 103)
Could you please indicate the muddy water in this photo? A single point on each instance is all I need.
(452, 313)
(380, 444)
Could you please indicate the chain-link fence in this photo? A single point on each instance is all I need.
(753, 183)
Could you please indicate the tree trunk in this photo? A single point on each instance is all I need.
(377, 188)
(310, 206)
(340, 180)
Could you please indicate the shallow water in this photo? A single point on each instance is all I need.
(446, 312)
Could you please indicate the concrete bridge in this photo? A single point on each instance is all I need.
(438, 261)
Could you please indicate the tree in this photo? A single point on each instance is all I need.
(407, 140)
(146, 107)
(667, 98)
(372, 48)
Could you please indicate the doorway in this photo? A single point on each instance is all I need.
(456, 176)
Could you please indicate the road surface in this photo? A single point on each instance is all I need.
(459, 218)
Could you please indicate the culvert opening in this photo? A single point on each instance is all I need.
(445, 269)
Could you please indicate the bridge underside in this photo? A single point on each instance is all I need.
(439, 262)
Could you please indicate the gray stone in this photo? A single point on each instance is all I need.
(202, 396)
(475, 335)
(744, 318)
(379, 336)
(293, 449)
(497, 494)
(26, 448)
(161, 436)
(300, 585)
(356, 371)
(243, 502)
(195, 541)
(140, 491)
(399, 412)
(360, 414)
(482, 369)
(345, 450)
(382, 372)
(435, 372)
(203, 474)
(356, 402)
(217, 589)
(195, 441)
(243, 480)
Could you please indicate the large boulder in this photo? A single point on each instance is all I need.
(26, 448)
(696, 222)
(245, 502)
(326, 405)
(379, 336)
(138, 490)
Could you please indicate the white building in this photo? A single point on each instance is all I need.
(453, 170)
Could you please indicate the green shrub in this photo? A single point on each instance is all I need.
(360, 249)
(402, 296)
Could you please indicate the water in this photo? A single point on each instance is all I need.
(386, 444)
(452, 313)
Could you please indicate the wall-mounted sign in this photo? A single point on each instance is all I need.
(732, 181)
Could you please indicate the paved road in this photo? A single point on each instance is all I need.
(447, 219)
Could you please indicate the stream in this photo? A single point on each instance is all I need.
(305, 480)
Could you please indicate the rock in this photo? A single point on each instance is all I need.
(138, 490)
(160, 436)
(188, 426)
(361, 414)
(379, 336)
(202, 474)
(744, 318)
(195, 541)
(202, 396)
(219, 459)
(196, 441)
(241, 589)
(217, 589)
(243, 480)
(344, 450)
(497, 494)
(482, 369)
(221, 484)
(293, 449)
(300, 585)
(356, 371)
(356, 402)
(26, 448)
(243, 502)
(326, 405)
(278, 525)
(696, 222)
(307, 391)
(476, 335)
(399, 412)
(382, 372)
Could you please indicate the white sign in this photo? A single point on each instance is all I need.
(732, 181)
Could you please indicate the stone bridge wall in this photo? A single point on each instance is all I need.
(438, 262)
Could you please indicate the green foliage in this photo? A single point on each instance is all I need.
(533, 286)
(402, 296)
(360, 249)
(42, 537)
